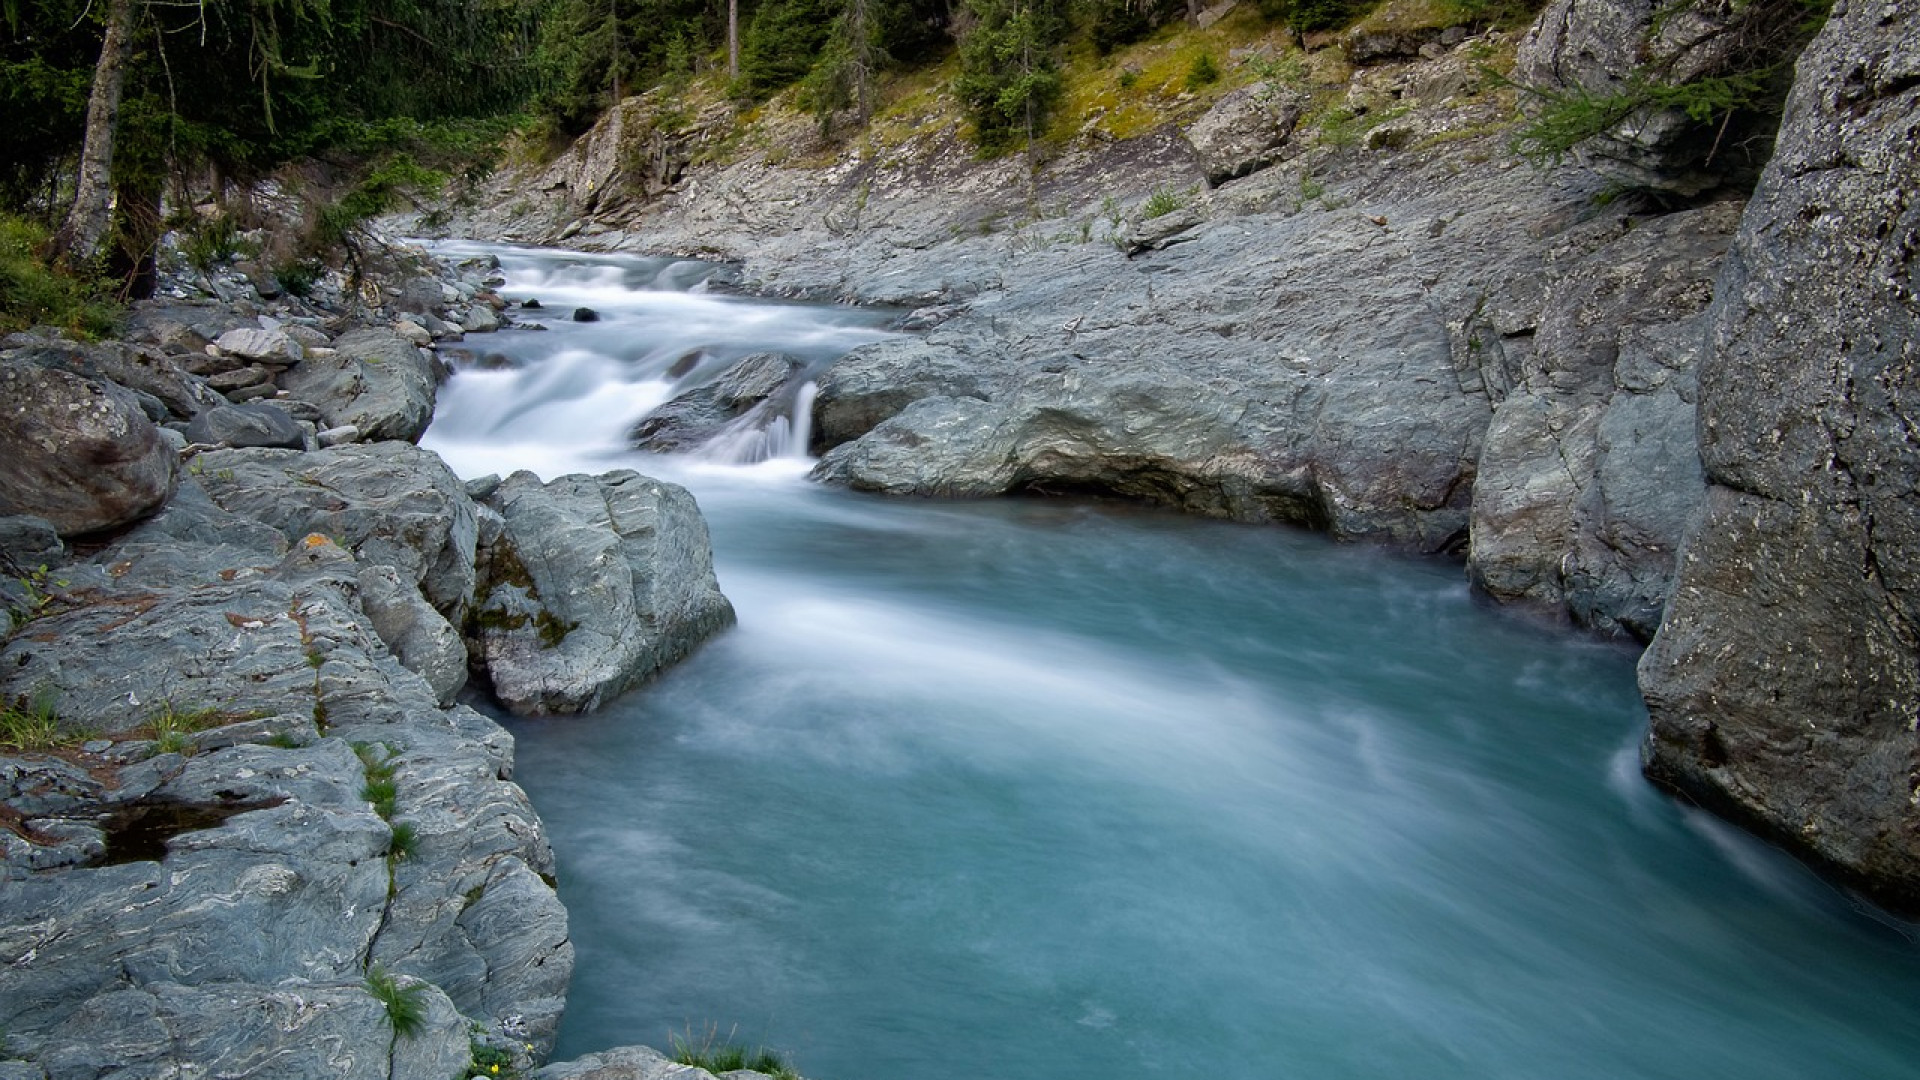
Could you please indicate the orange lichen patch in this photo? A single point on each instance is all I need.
(314, 540)
(120, 569)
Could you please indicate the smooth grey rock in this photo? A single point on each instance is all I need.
(376, 381)
(1783, 684)
(271, 347)
(246, 426)
(390, 503)
(874, 382)
(593, 585)
(696, 416)
(79, 455)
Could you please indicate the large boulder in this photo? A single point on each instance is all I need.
(589, 586)
(79, 453)
(157, 378)
(246, 425)
(872, 383)
(375, 380)
(1246, 131)
(1785, 680)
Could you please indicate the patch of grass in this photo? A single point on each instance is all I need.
(38, 591)
(405, 1001)
(553, 630)
(380, 764)
(34, 293)
(1162, 202)
(34, 724)
(717, 1055)
(404, 842)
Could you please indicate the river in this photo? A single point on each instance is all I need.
(1044, 790)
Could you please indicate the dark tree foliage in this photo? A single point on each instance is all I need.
(783, 42)
(1009, 74)
(1310, 15)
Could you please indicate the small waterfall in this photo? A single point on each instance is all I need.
(769, 430)
(569, 397)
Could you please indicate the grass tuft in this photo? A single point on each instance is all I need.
(709, 1051)
(406, 1001)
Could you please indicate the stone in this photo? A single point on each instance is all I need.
(376, 381)
(246, 425)
(158, 378)
(621, 1063)
(420, 637)
(1246, 131)
(585, 314)
(481, 319)
(81, 454)
(389, 503)
(1783, 686)
(592, 585)
(696, 416)
(1589, 477)
(271, 347)
(874, 382)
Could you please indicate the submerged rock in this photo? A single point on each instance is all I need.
(696, 416)
(1783, 685)
(591, 585)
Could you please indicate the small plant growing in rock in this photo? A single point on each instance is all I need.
(716, 1055)
(32, 724)
(380, 789)
(406, 1002)
(1162, 202)
(405, 841)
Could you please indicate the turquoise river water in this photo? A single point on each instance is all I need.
(1040, 790)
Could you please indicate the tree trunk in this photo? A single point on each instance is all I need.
(733, 39)
(78, 241)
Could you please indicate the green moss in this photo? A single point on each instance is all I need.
(553, 630)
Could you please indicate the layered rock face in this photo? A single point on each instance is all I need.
(1785, 682)
(243, 827)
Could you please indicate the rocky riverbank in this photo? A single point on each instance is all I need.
(246, 829)
(1377, 321)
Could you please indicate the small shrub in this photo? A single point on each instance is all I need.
(1204, 71)
(1128, 78)
(34, 293)
(406, 1002)
(210, 241)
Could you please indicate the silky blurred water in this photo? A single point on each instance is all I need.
(1031, 789)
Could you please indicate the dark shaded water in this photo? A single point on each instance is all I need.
(1043, 790)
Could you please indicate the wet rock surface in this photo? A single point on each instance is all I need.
(590, 585)
(1784, 683)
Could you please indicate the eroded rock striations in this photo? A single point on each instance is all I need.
(240, 817)
(1784, 683)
